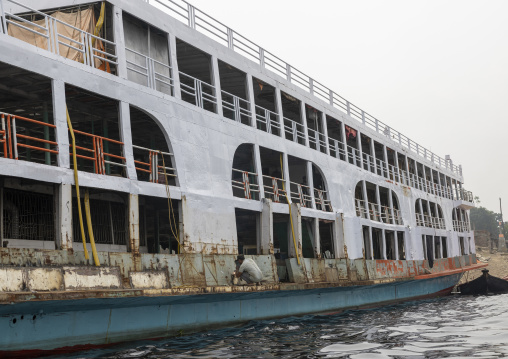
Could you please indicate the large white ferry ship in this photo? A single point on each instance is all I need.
(144, 145)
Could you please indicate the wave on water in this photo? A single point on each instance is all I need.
(451, 327)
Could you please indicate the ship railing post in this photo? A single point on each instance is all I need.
(191, 16)
(261, 57)
(2, 14)
(230, 39)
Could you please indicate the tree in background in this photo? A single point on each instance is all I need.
(484, 220)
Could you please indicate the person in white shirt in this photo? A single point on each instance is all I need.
(248, 270)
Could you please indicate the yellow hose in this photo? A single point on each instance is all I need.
(290, 214)
(170, 206)
(90, 231)
(77, 183)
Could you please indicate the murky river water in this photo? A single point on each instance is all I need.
(452, 327)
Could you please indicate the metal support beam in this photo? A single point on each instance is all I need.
(133, 223)
(119, 38)
(60, 120)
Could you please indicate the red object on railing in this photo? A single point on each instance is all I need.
(98, 152)
(10, 136)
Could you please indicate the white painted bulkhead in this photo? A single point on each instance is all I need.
(204, 144)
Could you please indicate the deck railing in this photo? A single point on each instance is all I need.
(200, 21)
(317, 140)
(336, 148)
(95, 152)
(429, 221)
(294, 131)
(461, 226)
(247, 182)
(267, 121)
(274, 188)
(156, 75)
(236, 108)
(198, 92)
(321, 200)
(93, 50)
(157, 164)
(301, 194)
(14, 135)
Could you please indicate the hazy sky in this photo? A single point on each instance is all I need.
(437, 71)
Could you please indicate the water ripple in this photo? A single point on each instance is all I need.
(452, 327)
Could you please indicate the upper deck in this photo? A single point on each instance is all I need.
(234, 121)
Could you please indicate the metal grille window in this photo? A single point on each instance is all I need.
(28, 216)
(108, 222)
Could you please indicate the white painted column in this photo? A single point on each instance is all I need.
(359, 147)
(371, 244)
(421, 211)
(310, 183)
(266, 242)
(64, 235)
(297, 227)
(119, 39)
(216, 84)
(252, 101)
(387, 166)
(303, 117)
(373, 156)
(175, 74)
(378, 200)
(259, 170)
(366, 199)
(325, 132)
(279, 111)
(396, 242)
(407, 170)
(383, 247)
(390, 201)
(344, 141)
(338, 237)
(126, 138)
(133, 223)
(285, 166)
(60, 120)
(396, 172)
(317, 239)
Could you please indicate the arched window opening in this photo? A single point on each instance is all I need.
(321, 195)
(153, 159)
(429, 214)
(272, 164)
(300, 190)
(244, 178)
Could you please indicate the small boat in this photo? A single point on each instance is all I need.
(486, 284)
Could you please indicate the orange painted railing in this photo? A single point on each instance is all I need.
(97, 154)
(9, 137)
(156, 165)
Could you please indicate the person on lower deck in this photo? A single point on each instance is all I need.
(248, 270)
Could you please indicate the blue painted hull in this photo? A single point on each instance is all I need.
(47, 325)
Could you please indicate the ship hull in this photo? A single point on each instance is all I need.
(33, 328)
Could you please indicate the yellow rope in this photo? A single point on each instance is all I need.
(90, 231)
(74, 159)
(290, 214)
(172, 220)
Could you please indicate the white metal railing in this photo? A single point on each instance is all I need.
(236, 108)
(368, 162)
(300, 193)
(361, 209)
(274, 188)
(155, 73)
(267, 121)
(465, 195)
(429, 221)
(52, 31)
(317, 140)
(353, 156)
(294, 131)
(154, 163)
(199, 92)
(461, 226)
(336, 148)
(200, 21)
(367, 210)
(247, 182)
(321, 201)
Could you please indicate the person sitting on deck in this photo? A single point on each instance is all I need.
(248, 270)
